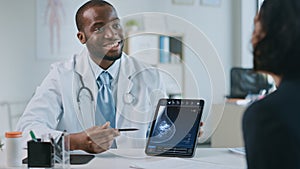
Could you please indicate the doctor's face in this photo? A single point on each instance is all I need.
(103, 33)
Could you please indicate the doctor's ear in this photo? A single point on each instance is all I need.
(81, 37)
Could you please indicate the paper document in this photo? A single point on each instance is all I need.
(238, 150)
(177, 163)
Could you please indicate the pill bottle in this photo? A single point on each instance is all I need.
(13, 146)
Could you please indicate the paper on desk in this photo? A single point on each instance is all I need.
(238, 150)
(177, 163)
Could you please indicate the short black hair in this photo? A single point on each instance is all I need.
(86, 6)
(278, 51)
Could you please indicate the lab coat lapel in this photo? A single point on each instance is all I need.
(127, 113)
(83, 68)
(126, 69)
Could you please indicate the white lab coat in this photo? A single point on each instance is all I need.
(54, 107)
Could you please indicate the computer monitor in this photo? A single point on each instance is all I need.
(244, 81)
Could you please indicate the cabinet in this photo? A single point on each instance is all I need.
(229, 131)
(164, 51)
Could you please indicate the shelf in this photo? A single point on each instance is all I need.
(162, 51)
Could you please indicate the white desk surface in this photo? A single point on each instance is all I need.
(205, 158)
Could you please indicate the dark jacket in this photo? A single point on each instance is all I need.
(271, 129)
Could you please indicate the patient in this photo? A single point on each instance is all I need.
(271, 125)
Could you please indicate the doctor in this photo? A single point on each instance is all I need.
(67, 98)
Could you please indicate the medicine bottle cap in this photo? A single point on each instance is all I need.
(13, 134)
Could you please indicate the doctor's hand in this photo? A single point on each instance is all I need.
(96, 139)
(201, 130)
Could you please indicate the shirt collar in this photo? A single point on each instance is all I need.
(112, 70)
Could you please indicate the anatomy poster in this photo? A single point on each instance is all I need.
(56, 29)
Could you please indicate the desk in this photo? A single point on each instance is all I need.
(122, 159)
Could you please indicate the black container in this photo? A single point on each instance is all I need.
(40, 154)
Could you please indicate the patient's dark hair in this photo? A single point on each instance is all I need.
(84, 7)
(278, 51)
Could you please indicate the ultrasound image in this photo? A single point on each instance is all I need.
(164, 130)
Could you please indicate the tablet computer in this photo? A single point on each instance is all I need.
(175, 127)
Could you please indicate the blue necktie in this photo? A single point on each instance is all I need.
(105, 101)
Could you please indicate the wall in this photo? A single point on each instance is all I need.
(19, 69)
(248, 11)
(215, 22)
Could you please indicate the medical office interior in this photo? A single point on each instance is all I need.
(200, 70)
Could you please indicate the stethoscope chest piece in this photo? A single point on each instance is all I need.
(128, 98)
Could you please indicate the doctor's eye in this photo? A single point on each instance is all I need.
(100, 29)
(117, 26)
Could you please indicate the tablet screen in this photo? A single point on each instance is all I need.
(175, 127)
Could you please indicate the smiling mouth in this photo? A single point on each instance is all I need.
(113, 44)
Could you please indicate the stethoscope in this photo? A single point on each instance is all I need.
(83, 89)
(128, 97)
